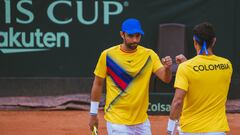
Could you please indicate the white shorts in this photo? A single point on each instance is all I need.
(139, 129)
(209, 133)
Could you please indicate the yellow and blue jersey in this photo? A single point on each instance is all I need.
(127, 83)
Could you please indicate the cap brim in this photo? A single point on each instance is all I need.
(134, 32)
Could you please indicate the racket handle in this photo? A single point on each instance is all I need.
(95, 131)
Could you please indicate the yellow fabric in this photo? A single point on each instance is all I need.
(206, 80)
(129, 107)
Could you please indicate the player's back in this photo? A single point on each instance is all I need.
(208, 80)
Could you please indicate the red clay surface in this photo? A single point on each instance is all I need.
(75, 123)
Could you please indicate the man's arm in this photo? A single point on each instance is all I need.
(177, 104)
(97, 88)
(176, 109)
(95, 98)
(165, 73)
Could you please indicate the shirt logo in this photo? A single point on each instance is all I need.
(129, 61)
(211, 67)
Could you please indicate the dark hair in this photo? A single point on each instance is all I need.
(204, 31)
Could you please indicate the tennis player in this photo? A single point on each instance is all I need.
(202, 85)
(127, 68)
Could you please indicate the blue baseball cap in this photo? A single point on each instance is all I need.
(132, 26)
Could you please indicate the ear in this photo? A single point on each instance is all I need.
(196, 45)
(214, 41)
(122, 34)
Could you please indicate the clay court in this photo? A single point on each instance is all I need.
(75, 123)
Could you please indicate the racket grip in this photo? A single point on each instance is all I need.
(95, 131)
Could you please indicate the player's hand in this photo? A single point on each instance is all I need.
(93, 121)
(167, 62)
(180, 58)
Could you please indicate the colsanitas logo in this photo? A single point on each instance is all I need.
(12, 41)
(158, 107)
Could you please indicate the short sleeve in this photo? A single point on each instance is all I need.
(101, 69)
(156, 61)
(181, 80)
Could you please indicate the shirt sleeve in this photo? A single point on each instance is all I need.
(156, 61)
(101, 69)
(181, 80)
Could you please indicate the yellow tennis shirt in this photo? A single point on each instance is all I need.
(206, 80)
(127, 83)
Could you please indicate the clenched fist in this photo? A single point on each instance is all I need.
(180, 58)
(167, 62)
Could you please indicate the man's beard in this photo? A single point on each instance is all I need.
(131, 46)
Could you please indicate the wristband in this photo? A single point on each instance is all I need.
(94, 108)
(171, 125)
